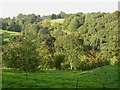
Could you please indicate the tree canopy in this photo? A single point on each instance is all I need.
(82, 41)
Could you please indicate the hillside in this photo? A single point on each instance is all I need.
(61, 51)
(6, 35)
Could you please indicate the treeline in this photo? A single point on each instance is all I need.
(19, 22)
(81, 42)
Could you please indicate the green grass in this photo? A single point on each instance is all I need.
(56, 21)
(106, 76)
(6, 35)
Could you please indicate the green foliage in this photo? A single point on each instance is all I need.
(19, 55)
(65, 42)
(46, 49)
(18, 23)
(96, 60)
(86, 41)
(82, 63)
(62, 15)
(7, 35)
(73, 22)
(71, 49)
(59, 58)
(114, 60)
(13, 26)
(46, 24)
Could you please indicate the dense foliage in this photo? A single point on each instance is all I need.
(19, 22)
(80, 42)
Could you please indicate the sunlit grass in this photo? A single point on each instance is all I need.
(6, 35)
(56, 21)
(106, 76)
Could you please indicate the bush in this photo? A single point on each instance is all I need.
(65, 66)
(114, 60)
(82, 65)
(19, 55)
(58, 60)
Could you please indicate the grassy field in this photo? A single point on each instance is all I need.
(57, 21)
(6, 35)
(106, 76)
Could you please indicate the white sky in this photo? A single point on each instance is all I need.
(10, 8)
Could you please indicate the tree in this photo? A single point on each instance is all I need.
(84, 40)
(53, 16)
(58, 59)
(46, 49)
(73, 22)
(62, 15)
(5, 24)
(46, 24)
(13, 26)
(71, 46)
(22, 54)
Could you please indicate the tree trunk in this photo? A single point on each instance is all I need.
(71, 65)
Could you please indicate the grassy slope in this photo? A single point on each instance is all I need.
(6, 35)
(106, 76)
(57, 21)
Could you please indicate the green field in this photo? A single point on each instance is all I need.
(6, 35)
(57, 21)
(105, 76)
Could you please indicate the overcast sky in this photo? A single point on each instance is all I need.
(10, 8)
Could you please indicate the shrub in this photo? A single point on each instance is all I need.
(65, 66)
(58, 60)
(19, 55)
(114, 60)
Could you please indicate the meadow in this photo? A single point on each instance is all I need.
(102, 77)
(6, 35)
(56, 21)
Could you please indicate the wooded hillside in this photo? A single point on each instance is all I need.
(79, 41)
